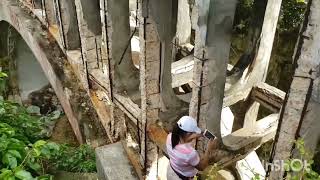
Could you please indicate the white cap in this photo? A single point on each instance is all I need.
(187, 123)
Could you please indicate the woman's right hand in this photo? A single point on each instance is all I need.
(212, 144)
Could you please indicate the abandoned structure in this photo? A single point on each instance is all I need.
(127, 70)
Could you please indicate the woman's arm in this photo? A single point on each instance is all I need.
(204, 159)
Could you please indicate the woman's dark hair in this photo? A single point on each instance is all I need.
(177, 133)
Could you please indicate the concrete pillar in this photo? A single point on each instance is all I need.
(124, 74)
(70, 24)
(150, 59)
(213, 33)
(50, 14)
(183, 22)
(302, 101)
(90, 31)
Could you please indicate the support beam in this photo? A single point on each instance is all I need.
(182, 71)
(150, 84)
(164, 16)
(125, 76)
(257, 70)
(50, 15)
(90, 31)
(212, 45)
(307, 62)
(183, 33)
(69, 24)
(250, 138)
(268, 96)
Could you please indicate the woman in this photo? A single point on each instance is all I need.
(184, 159)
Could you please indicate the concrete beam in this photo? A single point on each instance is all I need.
(268, 96)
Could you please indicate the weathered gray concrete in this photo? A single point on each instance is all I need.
(125, 75)
(70, 24)
(183, 22)
(50, 14)
(30, 74)
(113, 163)
(213, 33)
(89, 24)
(299, 106)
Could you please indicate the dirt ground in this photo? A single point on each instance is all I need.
(62, 133)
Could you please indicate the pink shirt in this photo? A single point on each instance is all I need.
(183, 158)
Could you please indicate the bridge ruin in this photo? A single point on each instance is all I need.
(115, 68)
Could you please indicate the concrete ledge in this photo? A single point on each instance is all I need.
(113, 163)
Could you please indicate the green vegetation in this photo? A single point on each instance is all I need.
(292, 165)
(24, 152)
(74, 159)
(299, 167)
(291, 15)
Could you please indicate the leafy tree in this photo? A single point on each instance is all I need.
(291, 15)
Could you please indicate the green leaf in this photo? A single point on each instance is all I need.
(2, 75)
(23, 174)
(45, 177)
(37, 152)
(15, 153)
(39, 143)
(45, 152)
(6, 174)
(9, 160)
(53, 146)
(296, 165)
(35, 166)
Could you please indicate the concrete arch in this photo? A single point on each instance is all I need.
(52, 60)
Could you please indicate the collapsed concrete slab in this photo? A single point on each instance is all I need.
(113, 163)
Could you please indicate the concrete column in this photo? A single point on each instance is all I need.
(164, 15)
(70, 24)
(301, 106)
(124, 74)
(90, 30)
(213, 33)
(150, 59)
(50, 14)
(183, 22)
